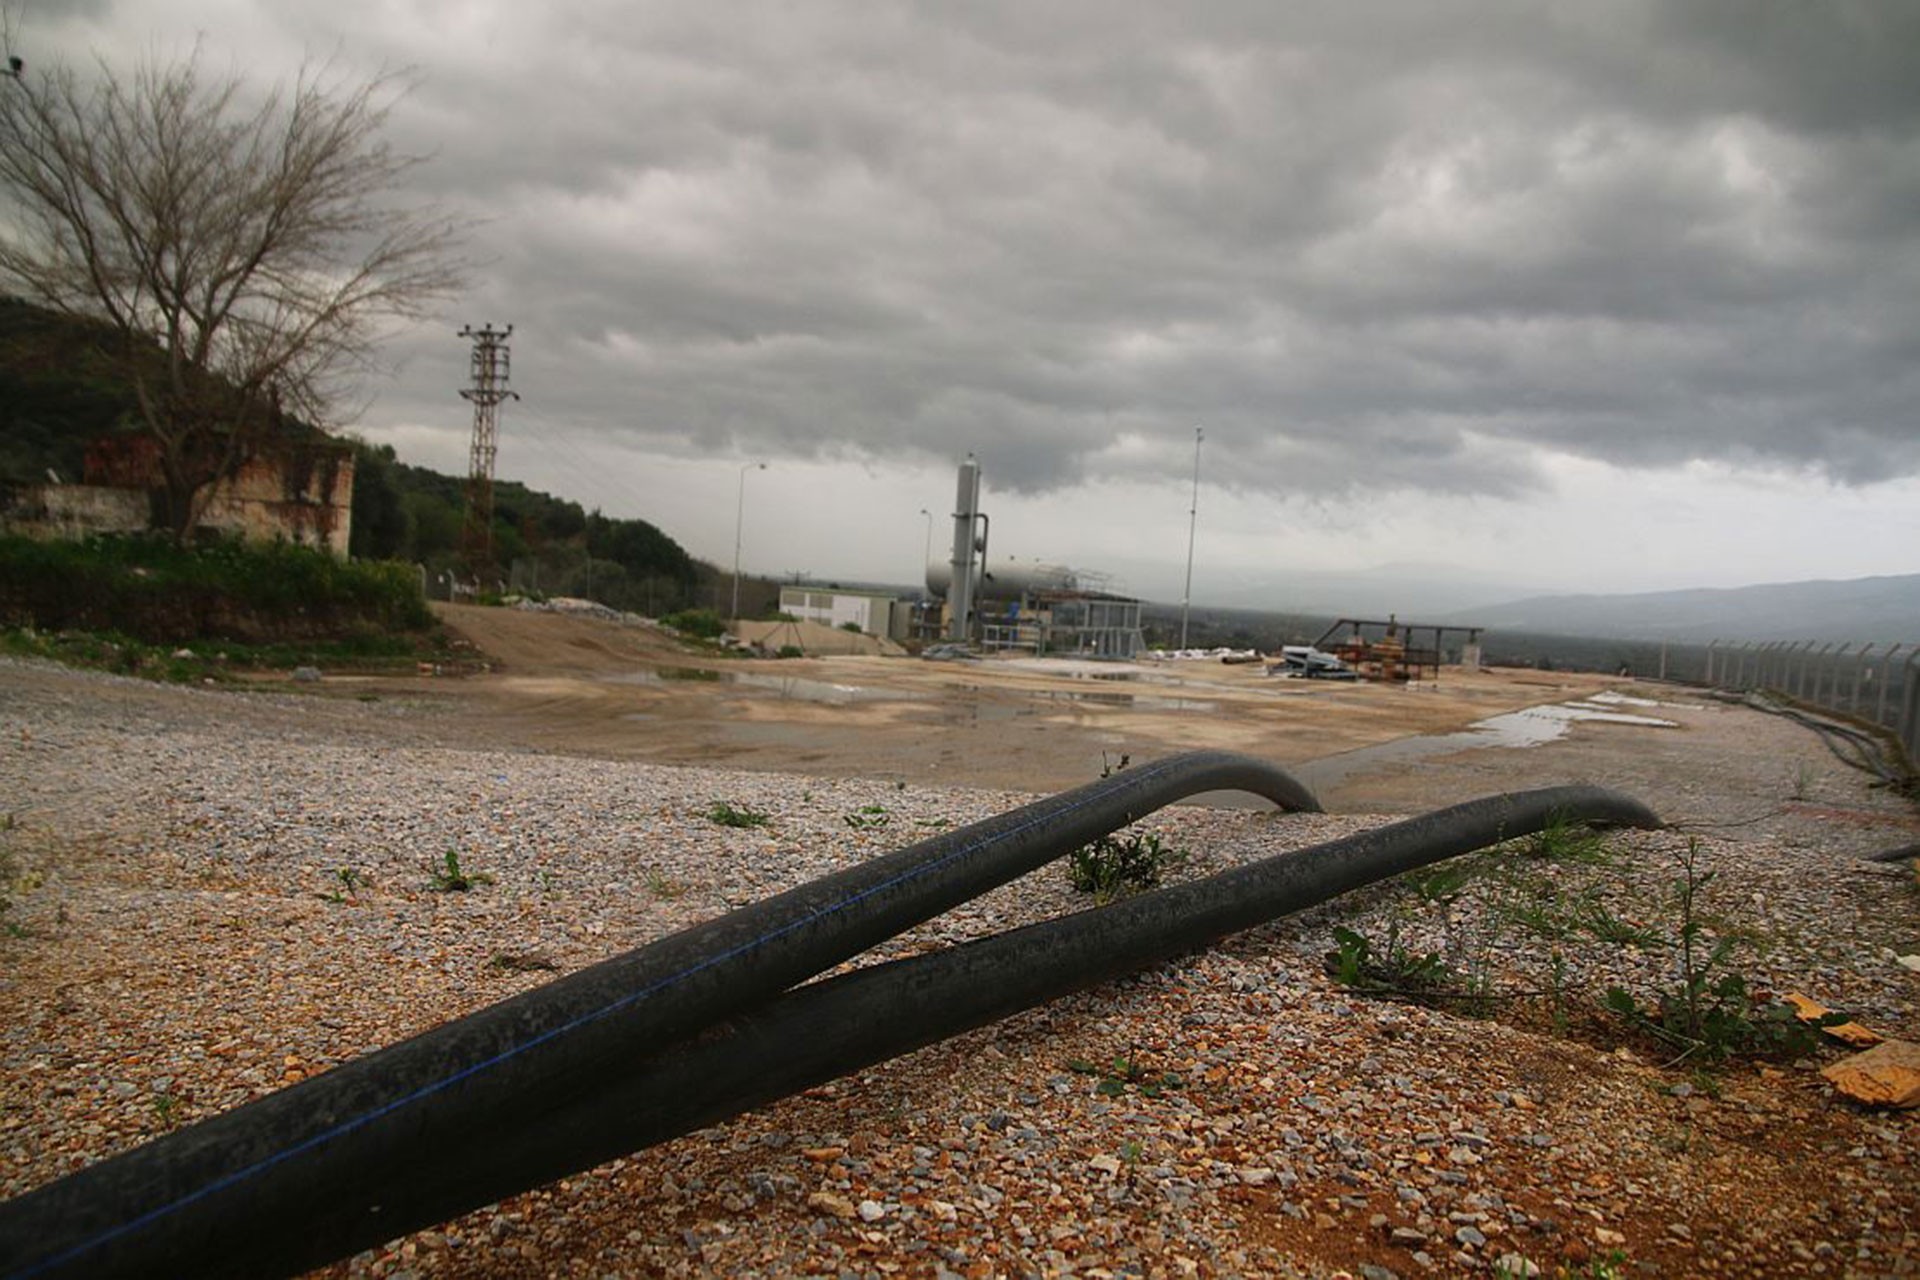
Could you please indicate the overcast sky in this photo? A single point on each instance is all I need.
(1612, 296)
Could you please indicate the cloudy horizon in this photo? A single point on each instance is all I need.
(1598, 298)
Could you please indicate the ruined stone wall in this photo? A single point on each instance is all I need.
(74, 511)
(304, 495)
(302, 492)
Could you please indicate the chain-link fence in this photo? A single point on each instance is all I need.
(1875, 682)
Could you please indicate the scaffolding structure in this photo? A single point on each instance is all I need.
(1067, 623)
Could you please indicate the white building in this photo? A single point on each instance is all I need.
(875, 612)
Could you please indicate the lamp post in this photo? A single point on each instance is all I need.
(926, 556)
(1193, 522)
(739, 522)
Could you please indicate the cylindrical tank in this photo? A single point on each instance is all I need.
(1004, 579)
(960, 572)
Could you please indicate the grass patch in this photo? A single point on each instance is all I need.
(724, 814)
(868, 817)
(224, 661)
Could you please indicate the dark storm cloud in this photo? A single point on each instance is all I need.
(1363, 245)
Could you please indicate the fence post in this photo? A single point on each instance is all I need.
(1882, 678)
(1832, 673)
(1859, 674)
(1910, 704)
(1810, 670)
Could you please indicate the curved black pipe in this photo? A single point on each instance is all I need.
(341, 1162)
(832, 1028)
(1905, 853)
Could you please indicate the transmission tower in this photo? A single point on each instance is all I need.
(489, 372)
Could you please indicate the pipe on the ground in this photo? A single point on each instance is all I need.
(835, 1027)
(352, 1157)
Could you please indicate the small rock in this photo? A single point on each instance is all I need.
(1517, 1266)
(1470, 1237)
(1407, 1237)
(306, 675)
(872, 1211)
(828, 1203)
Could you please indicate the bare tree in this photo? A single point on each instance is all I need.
(243, 256)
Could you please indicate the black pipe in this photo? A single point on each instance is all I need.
(832, 1028)
(341, 1162)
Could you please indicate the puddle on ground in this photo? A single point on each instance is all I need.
(667, 675)
(1530, 727)
(1132, 701)
(785, 688)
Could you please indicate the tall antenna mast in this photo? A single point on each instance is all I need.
(488, 369)
(1193, 524)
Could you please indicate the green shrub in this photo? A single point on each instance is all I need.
(704, 624)
(1115, 866)
(155, 592)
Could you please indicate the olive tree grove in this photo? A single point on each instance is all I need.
(242, 252)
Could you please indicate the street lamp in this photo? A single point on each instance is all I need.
(739, 521)
(1193, 521)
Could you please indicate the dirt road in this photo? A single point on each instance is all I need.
(584, 685)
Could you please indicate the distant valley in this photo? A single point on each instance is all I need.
(1882, 610)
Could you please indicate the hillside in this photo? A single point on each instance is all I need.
(1860, 609)
(58, 392)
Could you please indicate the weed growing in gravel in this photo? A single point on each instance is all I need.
(14, 881)
(348, 882)
(868, 817)
(1708, 1013)
(1114, 865)
(728, 816)
(1564, 839)
(660, 886)
(1127, 1073)
(1392, 970)
(165, 1108)
(1610, 1266)
(1537, 909)
(451, 879)
(1801, 786)
(1444, 882)
(1592, 915)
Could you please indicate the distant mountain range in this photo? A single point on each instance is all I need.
(1865, 610)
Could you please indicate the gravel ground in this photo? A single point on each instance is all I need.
(215, 894)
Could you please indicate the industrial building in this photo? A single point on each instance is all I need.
(1029, 607)
(877, 613)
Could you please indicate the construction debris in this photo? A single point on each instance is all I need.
(1849, 1033)
(1887, 1075)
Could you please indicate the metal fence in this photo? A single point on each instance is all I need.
(1876, 682)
